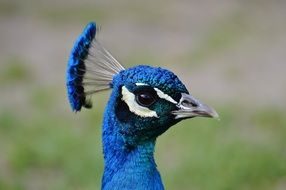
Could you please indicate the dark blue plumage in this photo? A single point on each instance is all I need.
(76, 67)
(144, 103)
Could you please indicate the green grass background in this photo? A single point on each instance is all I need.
(43, 145)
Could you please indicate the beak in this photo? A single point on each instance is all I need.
(189, 107)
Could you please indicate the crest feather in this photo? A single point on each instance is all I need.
(90, 69)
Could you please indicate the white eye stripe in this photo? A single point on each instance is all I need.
(165, 96)
(129, 98)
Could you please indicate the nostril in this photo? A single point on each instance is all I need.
(194, 104)
(187, 103)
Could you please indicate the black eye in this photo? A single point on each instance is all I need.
(145, 98)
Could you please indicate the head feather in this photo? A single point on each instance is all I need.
(90, 69)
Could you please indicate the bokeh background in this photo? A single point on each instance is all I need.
(230, 53)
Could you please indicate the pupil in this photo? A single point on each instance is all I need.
(145, 99)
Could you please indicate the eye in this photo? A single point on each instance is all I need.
(145, 98)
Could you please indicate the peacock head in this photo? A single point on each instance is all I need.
(147, 100)
(152, 99)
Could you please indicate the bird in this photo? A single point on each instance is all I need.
(145, 101)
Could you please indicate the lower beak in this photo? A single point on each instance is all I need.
(189, 107)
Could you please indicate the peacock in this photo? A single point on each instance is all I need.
(145, 102)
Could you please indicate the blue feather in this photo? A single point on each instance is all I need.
(126, 167)
(76, 68)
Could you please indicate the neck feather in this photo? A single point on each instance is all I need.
(126, 167)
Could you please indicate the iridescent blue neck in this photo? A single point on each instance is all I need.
(126, 167)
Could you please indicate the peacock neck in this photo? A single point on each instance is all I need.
(126, 167)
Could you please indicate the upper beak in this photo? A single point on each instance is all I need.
(189, 107)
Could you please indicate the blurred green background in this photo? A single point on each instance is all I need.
(230, 53)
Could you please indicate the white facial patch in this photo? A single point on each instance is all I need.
(129, 98)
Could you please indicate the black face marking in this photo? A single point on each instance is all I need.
(177, 96)
(122, 110)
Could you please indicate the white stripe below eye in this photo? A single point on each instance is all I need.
(129, 98)
(165, 96)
